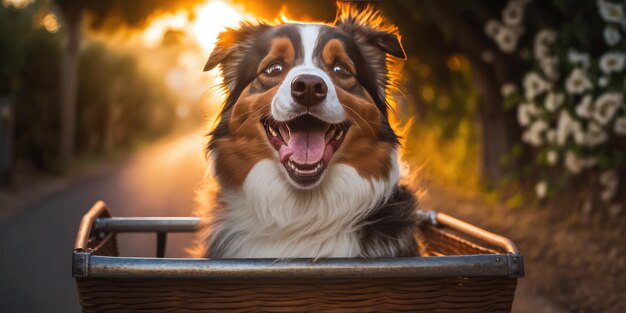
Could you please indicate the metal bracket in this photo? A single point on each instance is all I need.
(80, 264)
(516, 265)
(430, 216)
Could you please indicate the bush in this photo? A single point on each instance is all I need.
(116, 102)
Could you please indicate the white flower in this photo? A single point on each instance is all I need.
(549, 66)
(567, 127)
(506, 39)
(574, 57)
(607, 194)
(606, 105)
(583, 109)
(577, 82)
(611, 12)
(577, 132)
(611, 35)
(612, 62)
(541, 189)
(492, 27)
(552, 157)
(535, 85)
(609, 179)
(508, 89)
(513, 14)
(573, 163)
(554, 101)
(543, 39)
(620, 126)
(603, 81)
(525, 112)
(551, 136)
(533, 134)
(595, 135)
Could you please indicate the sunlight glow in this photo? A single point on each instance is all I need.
(209, 20)
(213, 18)
(153, 34)
(20, 4)
(50, 23)
(200, 28)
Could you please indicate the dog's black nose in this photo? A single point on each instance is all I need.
(308, 90)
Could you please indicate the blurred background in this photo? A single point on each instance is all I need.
(512, 114)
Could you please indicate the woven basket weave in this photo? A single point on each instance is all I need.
(461, 273)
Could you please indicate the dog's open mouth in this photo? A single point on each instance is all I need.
(305, 146)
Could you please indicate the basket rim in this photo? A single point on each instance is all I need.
(480, 265)
(98, 220)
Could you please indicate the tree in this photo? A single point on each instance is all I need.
(104, 15)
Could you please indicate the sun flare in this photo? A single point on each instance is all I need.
(209, 19)
(213, 18)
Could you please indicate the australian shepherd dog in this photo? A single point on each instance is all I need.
(303, 158)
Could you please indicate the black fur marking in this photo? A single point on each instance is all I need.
(389, 231)
(366, 74)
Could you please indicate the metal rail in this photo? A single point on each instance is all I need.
(190, 224)
(485, 265)
(146, 224)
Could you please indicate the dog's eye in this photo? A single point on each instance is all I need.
(274, 69)
(341, 69)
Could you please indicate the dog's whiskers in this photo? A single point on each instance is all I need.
(366, 121)
(251, 114)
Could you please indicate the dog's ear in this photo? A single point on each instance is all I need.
(369, 27)
(389, 43)
(226, 42)
(231, 49)
(376, 40)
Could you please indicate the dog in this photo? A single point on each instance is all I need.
(304, 159)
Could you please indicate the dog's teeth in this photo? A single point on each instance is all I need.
(338, 137)
(272, 131)
(330, 133)
(285, 132)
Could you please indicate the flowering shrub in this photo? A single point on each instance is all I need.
(571, 101)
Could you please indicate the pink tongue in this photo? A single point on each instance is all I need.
(304, 146)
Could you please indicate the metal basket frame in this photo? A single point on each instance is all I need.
(99, 223)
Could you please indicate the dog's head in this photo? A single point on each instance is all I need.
(307, 96)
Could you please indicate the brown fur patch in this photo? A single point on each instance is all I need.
(281, 50)
(335, 51)
(246, 143)
(362, 148)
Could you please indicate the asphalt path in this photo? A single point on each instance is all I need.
(36, 242)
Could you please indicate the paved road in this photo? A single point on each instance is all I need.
(36, 243)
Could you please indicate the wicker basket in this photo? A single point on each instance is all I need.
(467, 270)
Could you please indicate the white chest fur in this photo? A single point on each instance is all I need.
(269, 218)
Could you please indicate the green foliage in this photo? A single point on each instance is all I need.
(117, 102)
